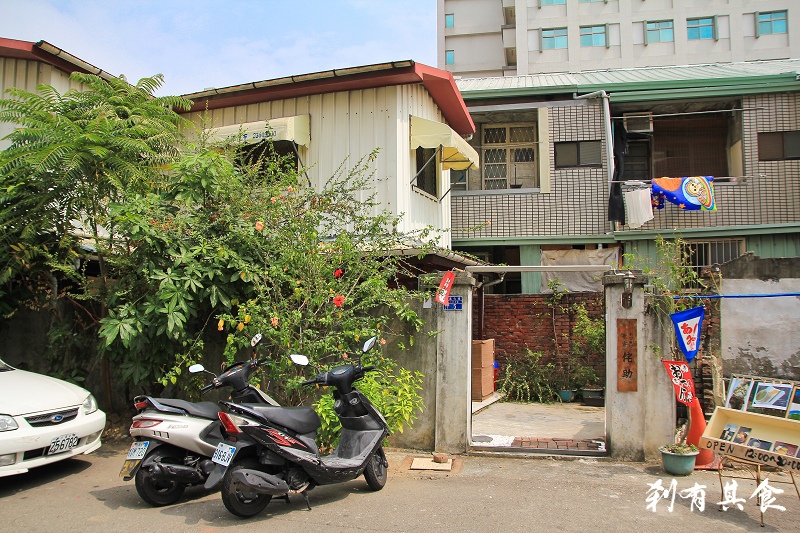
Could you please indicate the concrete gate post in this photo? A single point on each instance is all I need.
(640, 404)
(454, 346)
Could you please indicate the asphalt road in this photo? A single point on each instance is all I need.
(482, 494)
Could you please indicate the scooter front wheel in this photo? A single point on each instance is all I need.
(238, 500)
(376, 472)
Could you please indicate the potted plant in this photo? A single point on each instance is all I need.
(589, 337)
(563, 381)
(678, 459)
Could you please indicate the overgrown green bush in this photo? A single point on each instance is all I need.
(526, 379)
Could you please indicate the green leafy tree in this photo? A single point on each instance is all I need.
(232, 248)
(71, 156)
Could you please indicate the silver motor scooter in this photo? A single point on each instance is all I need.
(175, 440)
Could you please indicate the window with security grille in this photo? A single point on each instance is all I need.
(659, 32)
(509, 156)
(593, 35)
(778, 145)
(704, 254)
(769, 23)
(554, 38)
(427, 170)
(701, 28)
(578, 154)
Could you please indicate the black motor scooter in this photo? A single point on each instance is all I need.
(273, 452)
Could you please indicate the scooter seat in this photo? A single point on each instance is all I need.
(207, 410)
(300, 419)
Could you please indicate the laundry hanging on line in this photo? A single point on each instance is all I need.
(692, 193)
(638, 207)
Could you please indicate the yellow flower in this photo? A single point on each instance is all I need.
(247, 319)
(240, 326)
(220, 324)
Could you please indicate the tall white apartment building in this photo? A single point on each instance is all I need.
(486, 38)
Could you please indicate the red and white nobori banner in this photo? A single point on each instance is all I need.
(682, 380)
(443, 294)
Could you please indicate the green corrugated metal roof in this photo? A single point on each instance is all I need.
(716, 79)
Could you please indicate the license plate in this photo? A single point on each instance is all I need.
(138, 450)
(223, 454)
(63, 443)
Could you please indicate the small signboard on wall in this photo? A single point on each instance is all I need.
(455, 303)
(627, 375)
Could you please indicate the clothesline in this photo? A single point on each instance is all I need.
(721, 179)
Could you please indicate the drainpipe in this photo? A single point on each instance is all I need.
(609, 136)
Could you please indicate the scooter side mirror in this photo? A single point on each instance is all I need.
(194, 369)
(299, 359)
(255, 340)
(369, 344)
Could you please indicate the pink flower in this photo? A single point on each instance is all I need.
(274, 321)
(259, 225)
(338, 301)
(338, 273)
(344, 356)
(273, 199)
(383, 342)
(290, 189)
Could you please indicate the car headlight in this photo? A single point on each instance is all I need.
(89, 405)
(7, 423)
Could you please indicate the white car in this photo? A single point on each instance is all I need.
(44, 420)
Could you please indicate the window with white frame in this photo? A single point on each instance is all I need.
(770, 23)
(594, 35)
(509, 156)
(701, 28)
(661, 31)
(553, 38)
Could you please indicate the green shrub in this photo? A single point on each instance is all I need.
(393, 390)
(526, 379)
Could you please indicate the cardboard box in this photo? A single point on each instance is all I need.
(482, 383)
(483, 353)
(754, 437)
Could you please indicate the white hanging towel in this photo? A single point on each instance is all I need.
(638, 207)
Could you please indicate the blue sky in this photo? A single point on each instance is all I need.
(203, 43)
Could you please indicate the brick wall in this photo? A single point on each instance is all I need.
(520, 321)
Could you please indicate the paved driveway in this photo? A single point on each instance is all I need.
(490, 494)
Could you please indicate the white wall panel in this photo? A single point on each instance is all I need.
(345, 128)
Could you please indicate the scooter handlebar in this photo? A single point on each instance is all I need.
(207, 387)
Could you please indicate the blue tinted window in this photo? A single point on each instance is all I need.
(769, 23)
(555, 38)
(660, 32)
(593, 36)
(697, 29)
(448, 20)
(449, 57)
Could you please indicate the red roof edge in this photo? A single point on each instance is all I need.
(33, 52)
(439, 84)
(442, 87)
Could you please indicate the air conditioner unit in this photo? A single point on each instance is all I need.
(638, 122)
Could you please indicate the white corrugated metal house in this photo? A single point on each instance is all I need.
(411, 112)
